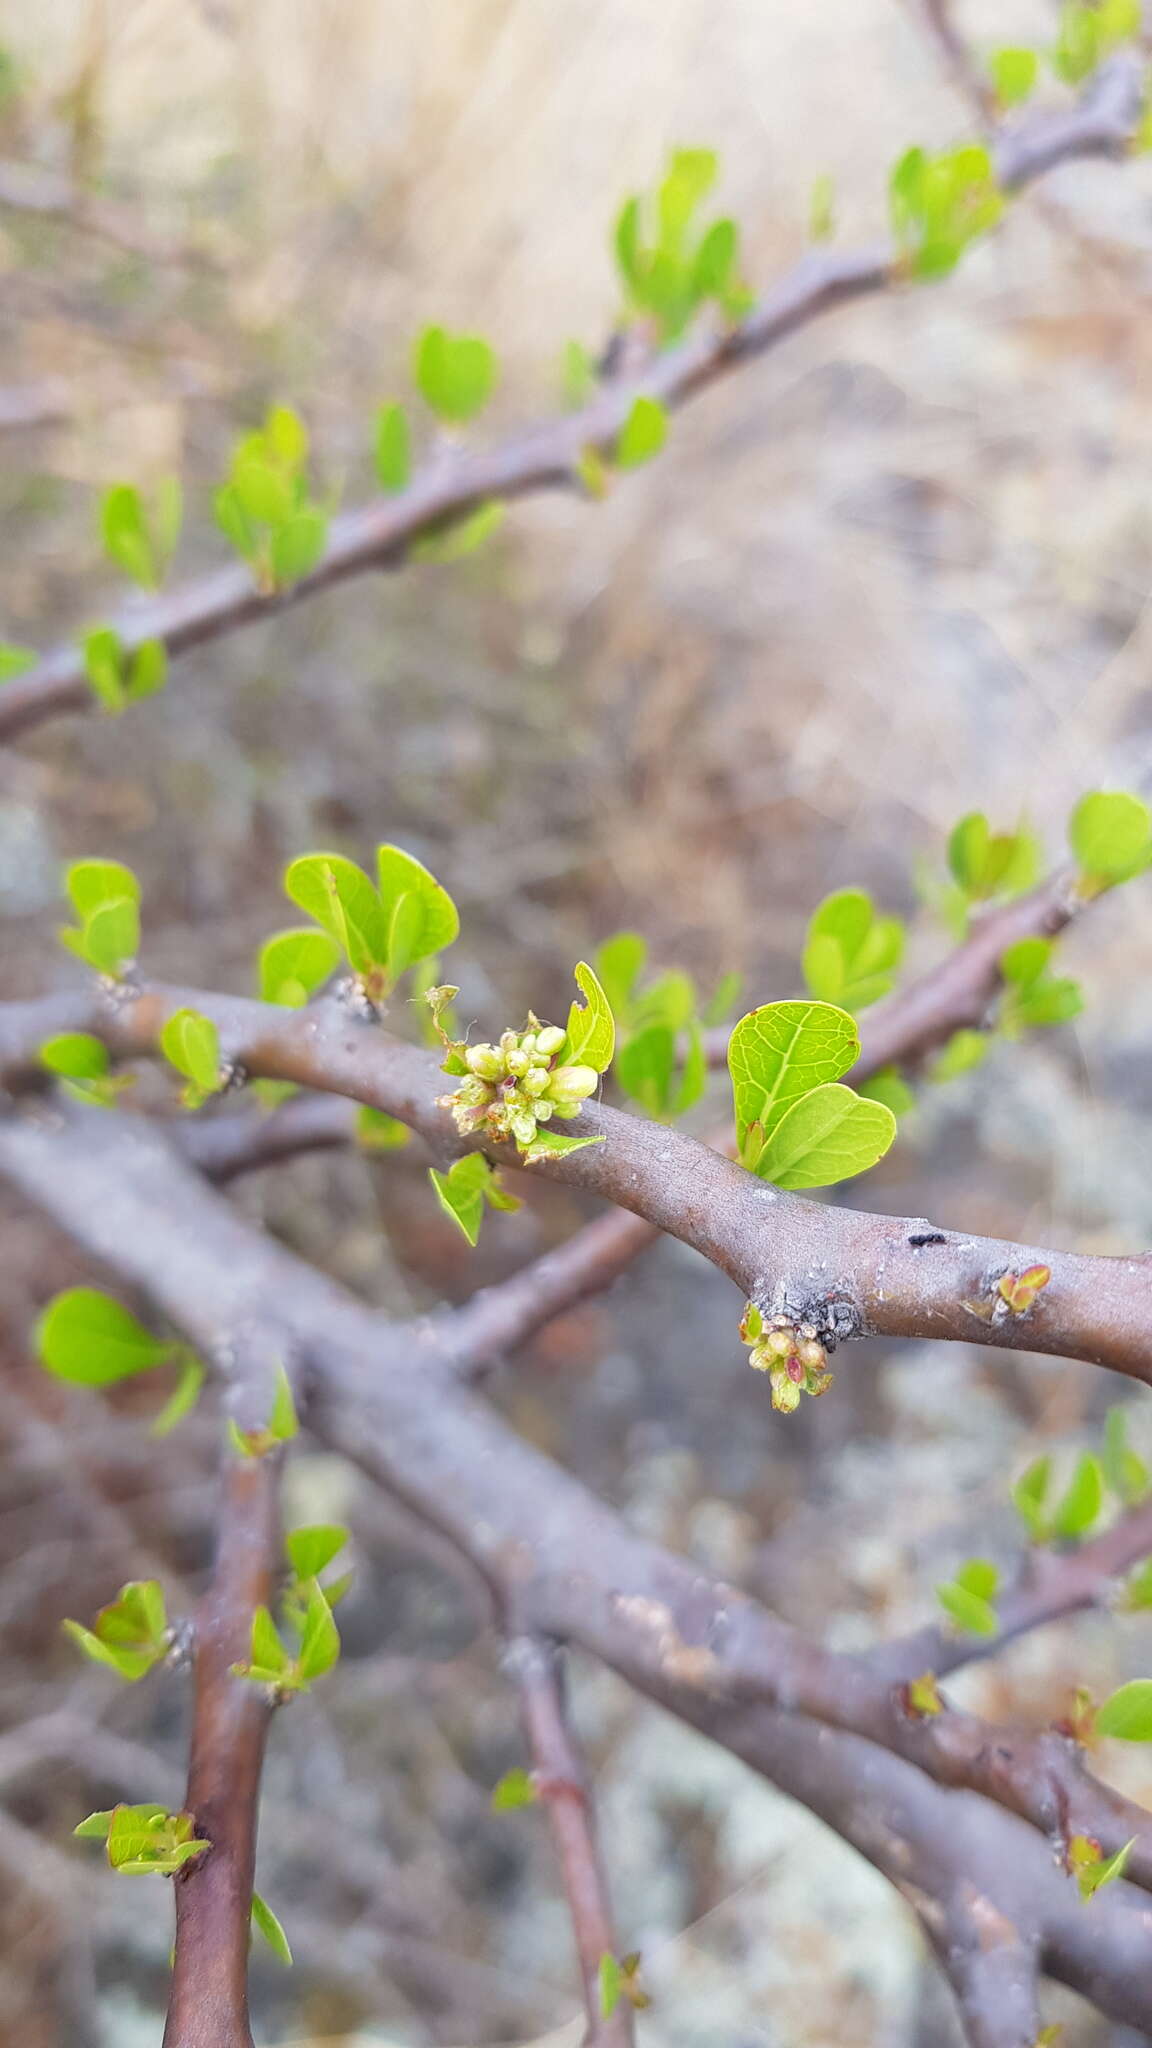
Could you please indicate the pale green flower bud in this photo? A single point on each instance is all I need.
(485, 1061)
(473, 1091)
(549, 1040)
(517, 1063)
(528, 1042)
(522, 1124)
(536, 1080)
(544, 1112)
(573, 1083)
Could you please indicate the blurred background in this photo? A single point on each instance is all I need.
(895, 571)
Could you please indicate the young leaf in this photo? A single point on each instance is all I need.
(297, 545)
(14, 661)
(620, 962)
(183, 1397)
(147, 672)
(1126, 1473)
(463, 1191)
(1014, 74)
(1127, 1714)
(1029, 1496)
(392, 448)
(312, 1549)
(645, 1066)
(830, 1135)
(124, 532)
(970, 1611)
(91, 1340)
(294, 964)
(890, 1087)
(1079, 1509)
(1111, 837)
(131, 1634)
(76, 1054)
(191, 1043)
(965, 1049)
(777, 1055)
(1092, 1870)
(515, 1788)
(643, 434)
(455, 373)
(591, 1036)
(320, 1640)
(343, 902)
(419, 914)
(549, 1144)
(376, 1131)
(265, 1922)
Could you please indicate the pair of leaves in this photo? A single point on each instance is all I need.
(795, 1124)
(272, 1662)
(470, 1185)
(190, 1042)
(968, 1598)
(119, 676)
(851, 953)
(668, 267)
(89, 1339)
(985, 864)
(265, 508)
(131, 1635)
(1087, 33)
(145, 1841)
(455, 374)
(1034, 997)
(84, 1066)
(941, 204)
(105, 896)
(1015, 73)
(1074, 1513)
(381, 931)
(1111, 836)
(140, 539)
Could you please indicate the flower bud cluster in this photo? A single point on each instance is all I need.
(513, 1087)
(790, 1353)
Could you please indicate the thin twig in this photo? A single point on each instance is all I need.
(562, 1785)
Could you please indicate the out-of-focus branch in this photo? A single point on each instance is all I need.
(208, 2005)
(562, 1563)
(379, 536)
(562, 1786)
(28, 188)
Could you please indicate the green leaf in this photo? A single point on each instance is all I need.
(964, 1050)
(264, 493)
(463, 1191)
(104, 667)
(1014, 74)
(450, 540)
(1137, 1589)
(14, 661)
(124, 532)
(611, 1985)
(131, 1634)
(643, 434)
(645, 1066)
(265, 1922)
(420, 916)
(147, 672)
(777, 1055)
(1092, 1877)
(553, 1145)
(343, 902)
(95, 1827)
(183, 1397)
(890, 1087)
(75, 1053)
(1111, 837)
(267, 1651)
(285, 437)
(715, 260)
(1080, 1508)
(455, 373)
(191, 1043)
(312, 1549)
(1126, 1473)
(1029, 1496)
(619, 964)
(298, 545)
(91, 1340)
(294, 964)
(591, 1035)
(392, 448)
(1025, 962)
(282, 1422)
(376, 1131)
(724, 999)
(830, 1135)
(93, 883)
(968, 1610)
(850, 953)
(516, 1788)
(1127, 1714)
(980, 1576)
(320, 1640)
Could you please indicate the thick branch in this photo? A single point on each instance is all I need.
(562, 1785)
(385, 1396)
(379, 535)
(847, 1272)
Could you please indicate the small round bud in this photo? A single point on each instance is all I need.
(485, 1061)
(528, 1042)
(523, 1126)
(574, 1083)
(549, 1040)
(810, 1353)
(536, 1080)
(807, 1330)
(508, 1042)
(544, 1111)
(517, 1063)
(778, 1343)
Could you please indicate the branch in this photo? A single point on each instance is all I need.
(562, 1785)
(379, 535)
(208, 2006)
(27, 188)
(386, 1397)
(846, 1272)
